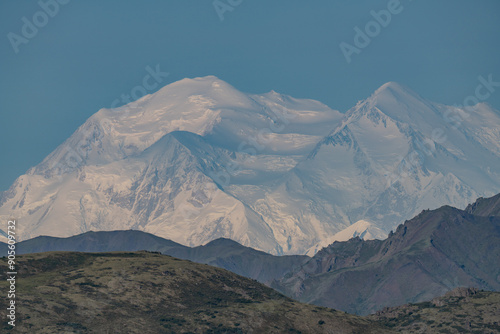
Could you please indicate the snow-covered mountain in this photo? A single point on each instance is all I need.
(393, 155)
(199, 160)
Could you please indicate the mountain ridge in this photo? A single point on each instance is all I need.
(423, 258)
(223, 253)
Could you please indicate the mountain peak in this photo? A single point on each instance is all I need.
(389, 98)
(395, 91)
(399, 103)
(206, 80)
(392, 85)
(209, 85)
(222, 242)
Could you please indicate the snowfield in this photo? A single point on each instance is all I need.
(199, 160)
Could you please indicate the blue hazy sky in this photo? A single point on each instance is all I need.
(93, 51)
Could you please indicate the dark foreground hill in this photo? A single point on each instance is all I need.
(140, 292)
(222, 253)
(427, 256)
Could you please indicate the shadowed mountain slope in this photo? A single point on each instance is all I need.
(425, 257)
(223, 253)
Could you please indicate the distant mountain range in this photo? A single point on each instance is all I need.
(425, 257)
(198, 160)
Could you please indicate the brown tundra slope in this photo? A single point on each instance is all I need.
(462, 310)
(425, 257)
(142, 292)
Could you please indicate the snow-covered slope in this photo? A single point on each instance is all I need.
(161, 164)
(392, 156)
(362, 229)
(199, 160)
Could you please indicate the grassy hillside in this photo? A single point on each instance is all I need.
(459, 311)
(141, 292)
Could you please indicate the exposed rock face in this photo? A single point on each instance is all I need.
(461, 292)
(462, 310)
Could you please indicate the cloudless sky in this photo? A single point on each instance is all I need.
(93, 51)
